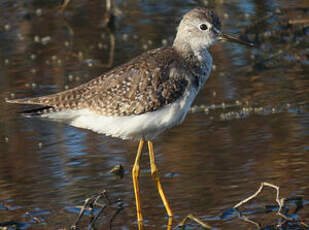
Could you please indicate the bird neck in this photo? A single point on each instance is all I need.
(191, 50)
(193, 54)
(198, 59)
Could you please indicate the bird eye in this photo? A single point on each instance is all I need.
(203, 27)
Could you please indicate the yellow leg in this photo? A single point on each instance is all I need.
(170, 223)
(141, 225)
(135, 175)
(155, 175)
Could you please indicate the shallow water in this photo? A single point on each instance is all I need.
(249, 123)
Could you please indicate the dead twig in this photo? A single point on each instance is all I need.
(64, 6)
(280, 201)
(93, 202)
(299, 21)
(246, 219)
(120, 208)
(182, 223)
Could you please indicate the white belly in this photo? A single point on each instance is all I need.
(147, 125)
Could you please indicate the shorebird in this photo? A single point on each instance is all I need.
(144, 97)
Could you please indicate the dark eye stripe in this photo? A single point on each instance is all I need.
(203, 27)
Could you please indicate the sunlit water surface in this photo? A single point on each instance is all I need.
(249, 123)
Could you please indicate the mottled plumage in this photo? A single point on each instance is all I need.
(144, 97)
(144, 84)
(161, 84)
(149, 94)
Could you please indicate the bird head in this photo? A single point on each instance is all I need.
(200, 28)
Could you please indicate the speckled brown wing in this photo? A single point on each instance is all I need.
(144, 84)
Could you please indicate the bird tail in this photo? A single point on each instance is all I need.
(37, 111)
(24, 101)
(32, 112)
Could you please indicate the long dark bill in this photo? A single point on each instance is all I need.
(230, 38)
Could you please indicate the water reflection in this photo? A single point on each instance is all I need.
(215, 162)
